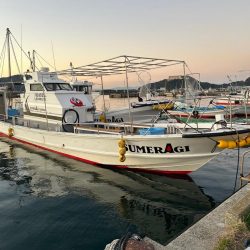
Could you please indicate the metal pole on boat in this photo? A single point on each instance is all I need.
(45, 106)
(129, 105)
(104, 106)
(230, 110)
(34, 60)
(46, 113)
(8, 47)
(246, 101)
(184, 79)
(21, 49)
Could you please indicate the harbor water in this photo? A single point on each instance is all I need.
(51, 202)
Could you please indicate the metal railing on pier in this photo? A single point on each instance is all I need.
(244, 177)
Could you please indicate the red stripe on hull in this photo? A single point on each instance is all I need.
(228, 104)
(200, 116)
(160, 172)
(50, 150)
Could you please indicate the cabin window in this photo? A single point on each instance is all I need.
(84, 89)
(65, 86)
(51, 86)
(36, 87)
(57, 86)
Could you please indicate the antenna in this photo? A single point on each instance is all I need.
(34, 60)
(53, 56)
(21, 49)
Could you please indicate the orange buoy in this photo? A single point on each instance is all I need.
(122, 158)
(222, 144)
(122, 151)
(232, 144)
(10, 132)
(248, 140)
(121, 143)
(242, 143)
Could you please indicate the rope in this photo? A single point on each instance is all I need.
(39, 61)
(238, 164)
(20, 46)
(3, 50)
(178, 120)
(45, 60)
(3, 58)
(15, 56)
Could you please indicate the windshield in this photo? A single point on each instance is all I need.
(57, 86)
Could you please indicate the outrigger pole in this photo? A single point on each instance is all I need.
(121, 65)
(129, 105)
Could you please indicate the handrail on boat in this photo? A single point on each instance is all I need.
(110, 128)
(242, 177)
(17, 120)
(122, 128)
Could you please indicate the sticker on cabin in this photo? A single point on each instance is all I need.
(39, 97)
(75, 101)
(156, 150)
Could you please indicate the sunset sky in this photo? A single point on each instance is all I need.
(211, 36)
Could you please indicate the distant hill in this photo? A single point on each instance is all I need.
(248, 80)
(15, 81)
(170, 85)
(14, 78)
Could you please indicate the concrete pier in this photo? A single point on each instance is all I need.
(205, 234)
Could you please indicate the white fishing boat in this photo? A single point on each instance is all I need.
(142, 110)
(239, 101)
(51, 109)
(146, 101)
(201, 112)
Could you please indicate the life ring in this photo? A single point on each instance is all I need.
(10, 132)
(69, 127)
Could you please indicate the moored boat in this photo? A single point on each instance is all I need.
(239, 101)
(51, 107)
(182, 110)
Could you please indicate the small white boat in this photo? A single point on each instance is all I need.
(182, 110)
(51, 107)
(240, 102)
(146, 100)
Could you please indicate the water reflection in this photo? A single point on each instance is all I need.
(158, 206)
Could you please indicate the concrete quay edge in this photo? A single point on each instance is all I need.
(205, 234)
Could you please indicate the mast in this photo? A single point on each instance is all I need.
(184, 79)
(34, 60)
(8, 48)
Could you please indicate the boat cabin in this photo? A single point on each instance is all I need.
(48, 97)
(82, 86)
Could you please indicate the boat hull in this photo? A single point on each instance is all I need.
(161, 153)
(209, 114)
